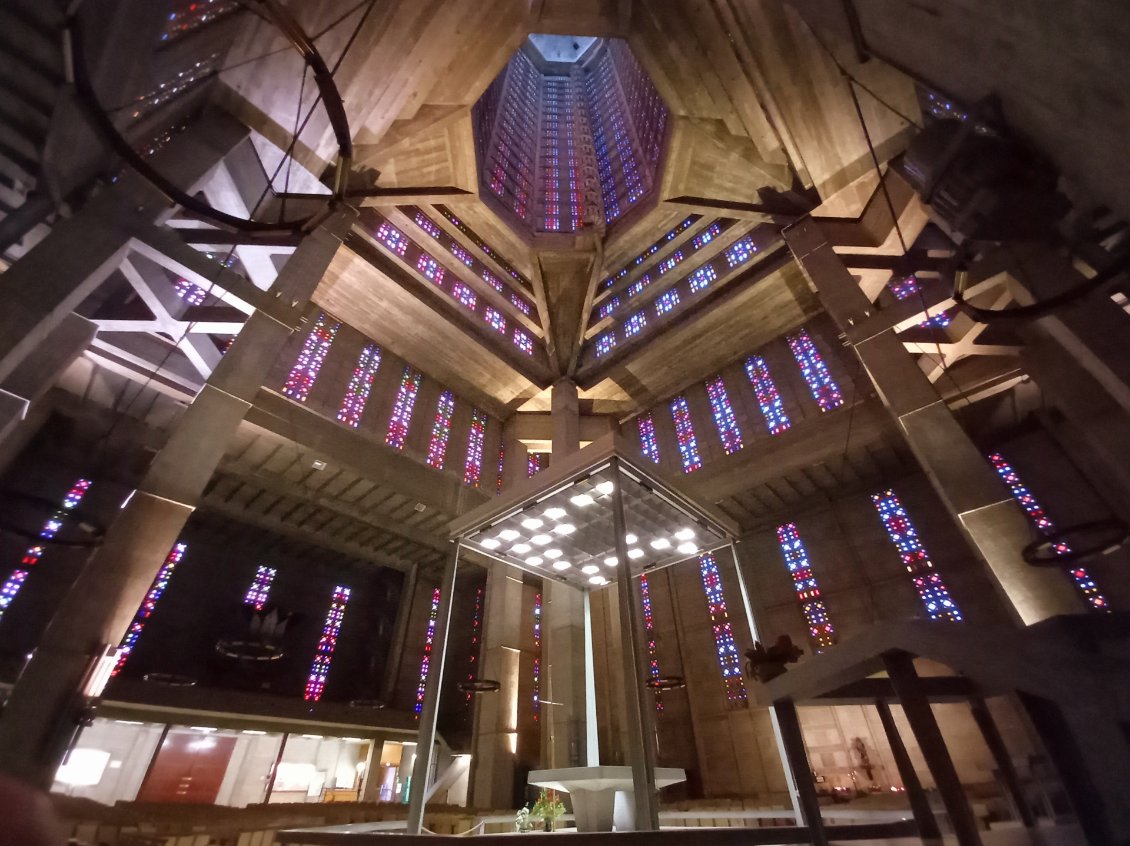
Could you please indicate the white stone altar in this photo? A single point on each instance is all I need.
(602, 796)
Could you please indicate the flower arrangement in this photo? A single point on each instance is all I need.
(548, 807)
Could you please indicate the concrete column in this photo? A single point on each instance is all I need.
(792, 738)
(1008, 775)
(48, 283)
(904, 679)
(426, 737)
(566, 418)
(639, 715)
(919, 802)
(496, 719)
(399, 634)
(100, 605)
(515, 457)
(565, 730)
(993, 522)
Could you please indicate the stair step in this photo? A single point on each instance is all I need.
(30, 123)
(47, 17)
(20, 171)
(27, 85)
(26, 44)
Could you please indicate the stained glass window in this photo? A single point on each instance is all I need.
(906, 287)
(740, 252)
(707, 235)
(931, 589)
(426, 661)
(723, 413)
(634, 324)
(192, 294)
(728, 660)
(639, 285)
(807, 590)
(492, 280)
(257, 594)
(684, 435)
(430, 268)
(495, 319)
(1043, 523)
(464, 295)
(824, 389)
(520, 304)
(462, 255)
(609, 307)
(476, 632)
(605, 343)
(323, 655)
(392, 238)
(310, 359)
(148, 605)
(767, 397)
(441, 430)
(33, 553)
(666, 302)
(701, 278)
(425, 223)
(402, 409)
(537, 656)
(670, 262)
(648, 442)
(473, 466)
(360, 384)
(523, 342)
(649, 632)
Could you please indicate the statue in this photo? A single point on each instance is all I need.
(765, 664)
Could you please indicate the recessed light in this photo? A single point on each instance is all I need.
(630, 538)
(509, 534)
(531, 523)
(555, 513)
(564, 529)
(661, 543)
(687, 548)
(610, 561)
(561, 565)
(598, 580)
(605, 488)
(318, 464)
(533, 561)
(541, 540)
(553, 553)
(581, 500)
(489, 543)
(635, 553)
(521, 548)
(590, 569)
(684, 534)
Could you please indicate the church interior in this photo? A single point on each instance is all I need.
(708, 419)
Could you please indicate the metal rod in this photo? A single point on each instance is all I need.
(639, 718)
(426, 736)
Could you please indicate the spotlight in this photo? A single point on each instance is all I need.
(610, 561)
(661, 543)
(489, 543)
(553, 553)
(635, 553)
(521, 548)
(605, 488)
(531, 523)
(555, 513)
(509, 534)
(561, 565)
(684, 534)
(564, 529)
(533, 561)
(541, 540)
(590, 569)
(630, 538)
(581, 500)
(687, 548)
(598, 580)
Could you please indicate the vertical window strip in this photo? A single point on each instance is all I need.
(323, 655)
(724, 418)
(260, 588)
(402, 409)
(537, 656)
(728, 660)
(768, 399)
(148, 605)
(476, 633)
(649, 444)
(310, 359)
(473, 466)
(360, 385)
(441, 430)
(927, 581)
(815, 372)
(649, 631)
(807, 589)
(535, 463)
(1086, 585)
(34, 553)
(426, 661)
(684, 435)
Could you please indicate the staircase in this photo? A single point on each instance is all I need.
(31, 78)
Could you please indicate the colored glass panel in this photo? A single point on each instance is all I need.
(360, 385)
(430, 268)
(148, 605)
(260, 589)
(537, 656)
(728, 661)
(649, 444)
(327, 643)
(426, 661)
(441, 430)
(684, 435)
(473, 466)
(666, 302)
(649, 633)
(402, 409)
(495, 319)
(927, 581)
(723, 413)
(807, 589)
(314, 350)
(768, 400)
(523, 342)
(740, 252)
(815, 372)
(635, 324)
(702, 278)
(605, 343)
(392, 238)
